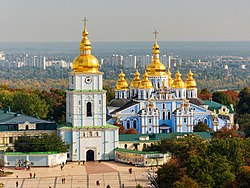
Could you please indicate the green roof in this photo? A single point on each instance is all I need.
(89, 127)
(137, 152)
(216, 106)
(157, 137)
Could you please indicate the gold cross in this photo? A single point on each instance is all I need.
(155, 33)
(85, 22)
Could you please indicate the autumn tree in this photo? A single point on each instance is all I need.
(121, 128)
(131, 131)
(221, 98)
(225, 132)
(243, 106)
(184, 182)
(30, 104)
(243, 177)
(205, 94)
(167, 174)
(201, 127)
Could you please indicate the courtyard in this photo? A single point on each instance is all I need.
(79, 175)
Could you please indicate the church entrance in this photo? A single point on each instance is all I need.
(90, 155)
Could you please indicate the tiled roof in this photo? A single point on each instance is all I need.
(13, 118)
(128, 104)
(216, 106)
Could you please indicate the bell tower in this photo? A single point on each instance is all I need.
(86, 130)
(86, 99)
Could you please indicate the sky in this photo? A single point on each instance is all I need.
(124, 20)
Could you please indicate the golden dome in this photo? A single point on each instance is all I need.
(170, 80)
(178, 83)
(190, 82)
(121, 84)
(85, 62)
(146, 83)
(156, 68)
(136, 81)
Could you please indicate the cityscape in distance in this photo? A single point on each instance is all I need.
(125, 94)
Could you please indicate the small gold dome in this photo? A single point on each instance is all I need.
(170, 79)
(85, 62)
(146, 83)
(136, 81)
(178, 83)
(156, 68)
(121, 84)
(190, 82)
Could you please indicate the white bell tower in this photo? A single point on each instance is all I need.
(89, 136)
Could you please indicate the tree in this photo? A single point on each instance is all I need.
(121, 128)
(244, 123)
(221, 98)
(44, 143)
(131, 131)
(243, 106)
(221, 171)
(232, 95)
(225, 132)
(185, 182)
(243, 177)
(201, 127)
(231, 148)
(168, 174)
(205, 94)
(30, 104)
(199, 169)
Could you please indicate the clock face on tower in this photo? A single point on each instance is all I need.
(88, 80)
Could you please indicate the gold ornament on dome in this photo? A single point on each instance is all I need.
(190, 83)
(178, 83)
(146, 83)
(121, 84)
(156, 68)
(85, 62)
(137, 80)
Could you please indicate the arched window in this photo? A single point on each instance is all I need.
(90, 134)
(128, 124)
(205, 120)
(179, 94)
(191, 94)
(163, 115)
(125, 146)
(134, 124)
(89, 111)
(169, 115)
(163, 106)
(159, 85)
(96, 134)
(27, 127)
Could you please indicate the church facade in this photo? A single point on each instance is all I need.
(86, 130)
(157, 103)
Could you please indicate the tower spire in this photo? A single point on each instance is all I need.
(84, 22)
(85, 45)
(155, 34)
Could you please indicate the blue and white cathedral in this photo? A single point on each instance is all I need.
(157, 103)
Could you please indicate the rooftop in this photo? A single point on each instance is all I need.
(158, 137)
